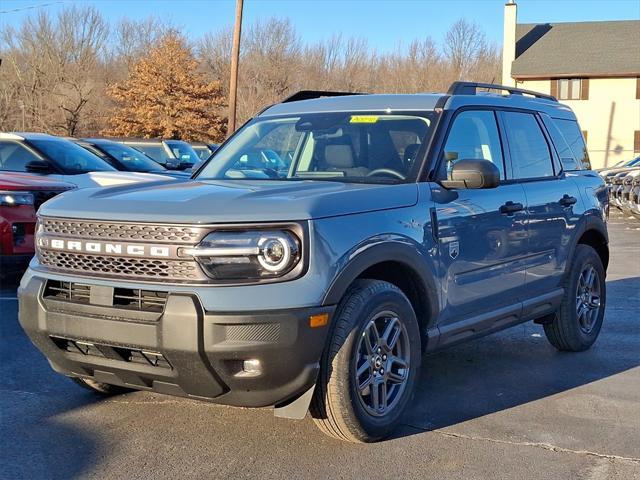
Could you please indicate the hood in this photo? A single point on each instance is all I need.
(230, 201)
(110, 179)
(182, 174)
(30, 181)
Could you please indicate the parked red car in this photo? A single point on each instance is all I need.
(21, 194)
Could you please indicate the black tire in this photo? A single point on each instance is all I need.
(105, 389)
(338, 408)
(565, 331)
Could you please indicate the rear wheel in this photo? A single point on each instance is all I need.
(100, 388)
(370, 366)
(578, 322)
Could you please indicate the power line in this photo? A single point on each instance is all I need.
(30, 7)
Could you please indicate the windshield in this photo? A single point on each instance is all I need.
(634, 162)
(155, 151)
(183, 151)
(70, 157)
(202, 151)
(363, 148)
(132, 159)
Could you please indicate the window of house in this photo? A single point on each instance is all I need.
(636, 141)
(474, 135)
(570, 88)
(530, 154)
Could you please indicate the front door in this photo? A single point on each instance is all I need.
(482, 233)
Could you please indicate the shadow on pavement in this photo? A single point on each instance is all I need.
(36, 441)
(518, 366)
(39, 413)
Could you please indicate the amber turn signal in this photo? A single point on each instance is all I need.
(319, 320)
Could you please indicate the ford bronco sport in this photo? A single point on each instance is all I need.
(391, 226)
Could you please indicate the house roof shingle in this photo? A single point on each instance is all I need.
(575, 49)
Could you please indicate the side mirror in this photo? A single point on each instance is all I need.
(38, 166)
(472, 174)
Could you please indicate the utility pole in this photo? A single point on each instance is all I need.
(235, 58)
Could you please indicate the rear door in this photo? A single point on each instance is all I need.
(553, 199)
(482, 233)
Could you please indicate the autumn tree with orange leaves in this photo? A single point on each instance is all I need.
(166, 96)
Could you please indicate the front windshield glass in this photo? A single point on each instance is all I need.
(183, 151)
(154, 151)
(342, 146)
(130, 158)
(202, 151)
(70, 157)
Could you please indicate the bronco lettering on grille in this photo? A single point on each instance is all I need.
(104, 247)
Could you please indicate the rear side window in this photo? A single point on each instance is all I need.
(15, 157)
(530, 154)
(573, 137)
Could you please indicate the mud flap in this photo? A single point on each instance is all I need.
(297, 409)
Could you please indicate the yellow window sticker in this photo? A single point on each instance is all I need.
(364, 119)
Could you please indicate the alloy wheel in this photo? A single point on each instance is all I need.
(382, 363)
(588, 299)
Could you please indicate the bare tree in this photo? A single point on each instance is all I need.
(132, 39)
(56, 69)
(463, 44)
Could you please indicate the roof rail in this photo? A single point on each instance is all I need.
(310, 94)
(471, 88)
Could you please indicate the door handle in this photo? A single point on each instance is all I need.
(510, 208)
(567, 200)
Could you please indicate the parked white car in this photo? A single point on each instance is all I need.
(62, 160)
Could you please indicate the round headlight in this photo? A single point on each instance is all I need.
(275, 253)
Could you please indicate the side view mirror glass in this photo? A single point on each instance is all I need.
(472, 173)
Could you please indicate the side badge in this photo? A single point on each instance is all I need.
(454, 249)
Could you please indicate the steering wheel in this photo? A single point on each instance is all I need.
(386, 171)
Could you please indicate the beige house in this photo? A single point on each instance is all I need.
(594, 67)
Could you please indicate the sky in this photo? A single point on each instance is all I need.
(386, 24)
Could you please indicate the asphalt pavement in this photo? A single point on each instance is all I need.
(507, 406)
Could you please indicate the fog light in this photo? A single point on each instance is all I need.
(251, 368)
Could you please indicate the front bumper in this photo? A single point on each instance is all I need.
(184, 350)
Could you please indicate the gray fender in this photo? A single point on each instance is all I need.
(589, 221)
(395, 251)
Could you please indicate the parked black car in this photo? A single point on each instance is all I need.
(126, 158)
(204, 150)
(171, 154)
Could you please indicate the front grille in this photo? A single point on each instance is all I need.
(122, 231)
(120, 249)
(123, 298)
(139, 268)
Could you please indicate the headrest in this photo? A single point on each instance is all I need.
(338, 156)
(410, 152)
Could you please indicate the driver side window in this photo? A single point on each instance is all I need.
(473, 136)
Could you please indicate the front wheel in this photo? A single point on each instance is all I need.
(578, 322)
(370, 366)
(105, 389)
